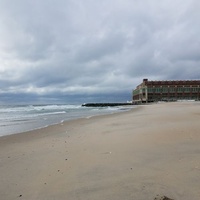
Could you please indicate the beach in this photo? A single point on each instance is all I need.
(146, 153)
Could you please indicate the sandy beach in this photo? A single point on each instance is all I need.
(144, 154)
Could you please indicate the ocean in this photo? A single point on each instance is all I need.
(20, 118)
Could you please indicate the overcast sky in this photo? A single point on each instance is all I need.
(89, 50)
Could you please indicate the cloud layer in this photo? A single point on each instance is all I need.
(54, 49)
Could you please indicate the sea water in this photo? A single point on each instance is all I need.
(21, 118)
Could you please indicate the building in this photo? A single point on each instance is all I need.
(151, 91)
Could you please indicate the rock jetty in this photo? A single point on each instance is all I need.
(105, 104)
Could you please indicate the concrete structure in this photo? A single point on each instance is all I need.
(151, 91)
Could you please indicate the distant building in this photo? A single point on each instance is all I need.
(151, 91)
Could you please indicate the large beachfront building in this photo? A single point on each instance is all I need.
(151, 91)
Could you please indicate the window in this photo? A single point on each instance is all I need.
(165, 89)
(172, 89)
(187, 89)
(195, 89)
(150, 90)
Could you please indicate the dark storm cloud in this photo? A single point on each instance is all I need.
(64, 47)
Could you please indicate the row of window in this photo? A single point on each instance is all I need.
(179, 89)
(170, 95)
(174, 98)
(168, 90)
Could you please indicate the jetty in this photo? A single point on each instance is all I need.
(105, 104)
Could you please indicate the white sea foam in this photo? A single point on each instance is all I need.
(20, 118)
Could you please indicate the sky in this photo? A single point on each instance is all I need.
(68, 51)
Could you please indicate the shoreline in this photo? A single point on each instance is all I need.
(68, 123)
(122, 110)
(148, 151)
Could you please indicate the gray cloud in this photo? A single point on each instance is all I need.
(58, 48)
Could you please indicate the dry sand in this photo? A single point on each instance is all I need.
(136, 155)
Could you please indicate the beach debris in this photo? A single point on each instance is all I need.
(162, 198)
(20, 195)
(107, 153)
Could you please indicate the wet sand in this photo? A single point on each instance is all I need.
(143, 154)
